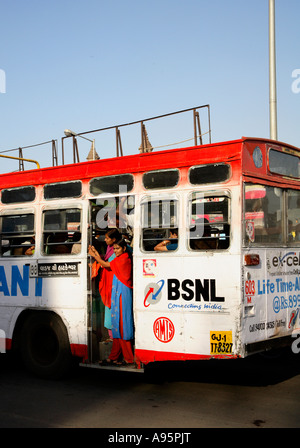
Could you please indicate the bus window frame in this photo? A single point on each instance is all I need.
(12, 203)
(18, 212)
(117, 215)
(284, 154)
(63, 197)
(121, 193)
(195, 185)
(160, 187)
(284, 219)
(159, 197)
(206, 194)
(60, 207)
(293, 242)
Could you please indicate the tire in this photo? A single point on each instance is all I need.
(45, 345)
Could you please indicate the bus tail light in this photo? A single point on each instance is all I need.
(251, 260)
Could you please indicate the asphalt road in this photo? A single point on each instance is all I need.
(250, 393)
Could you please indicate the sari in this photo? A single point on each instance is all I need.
(105, 284)
(121, 298)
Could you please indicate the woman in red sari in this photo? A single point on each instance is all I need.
(106, 276)
(121, 303)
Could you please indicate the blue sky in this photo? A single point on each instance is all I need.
(90, 64)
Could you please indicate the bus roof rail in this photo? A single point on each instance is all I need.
(145, 143)
(144, 147)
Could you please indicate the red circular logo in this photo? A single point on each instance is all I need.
(163, 329)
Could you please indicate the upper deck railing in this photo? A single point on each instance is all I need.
(145, 145)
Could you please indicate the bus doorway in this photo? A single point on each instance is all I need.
(111, 297)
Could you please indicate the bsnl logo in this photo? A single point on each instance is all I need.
(19, 282)
(193, 290)
(188, 289)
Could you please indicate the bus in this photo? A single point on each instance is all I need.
(229, 288)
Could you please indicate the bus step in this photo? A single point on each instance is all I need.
(118, 368)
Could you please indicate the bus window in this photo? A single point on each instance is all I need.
(293, 214)
(263, 214)
(14, 195)
(284, 163)
(161, 179)
(159, 220)
(209, 174)
(114, 211)
(112, 184)
(209, 223)
(63, 190)
(61, 231)
(17, 234)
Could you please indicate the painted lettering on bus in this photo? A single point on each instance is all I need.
(289, 259)
(193, 289)
(20, 280)
(278, 286)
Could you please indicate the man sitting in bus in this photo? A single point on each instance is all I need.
(57, 245)
(166, 245)
(203, 236)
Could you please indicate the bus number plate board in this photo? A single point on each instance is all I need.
(57, 269)
(220, 342)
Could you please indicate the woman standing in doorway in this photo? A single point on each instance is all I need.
(106, 276)
(121, 303)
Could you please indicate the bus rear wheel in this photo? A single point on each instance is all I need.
(45, 345)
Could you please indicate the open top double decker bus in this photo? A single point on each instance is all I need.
(229, 288)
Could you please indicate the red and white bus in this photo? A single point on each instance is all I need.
(229, 289)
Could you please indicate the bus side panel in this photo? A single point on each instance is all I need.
(271, 295)
(64, 295)
(187, 307)
(17, 289)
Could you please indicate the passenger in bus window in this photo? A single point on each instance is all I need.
(76, 247)
(121, 304)
(31, 249)
(57, 245)
(203, 237)
(5, 247)
(170, 244)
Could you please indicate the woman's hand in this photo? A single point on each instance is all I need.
(93, 252)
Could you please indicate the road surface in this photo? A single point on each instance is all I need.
(249, 393)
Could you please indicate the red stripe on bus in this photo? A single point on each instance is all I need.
(80, 350)
(146, 356)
